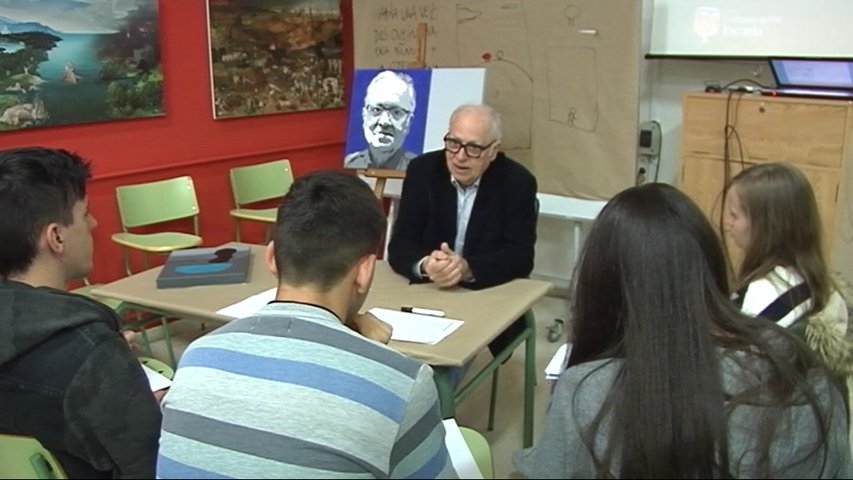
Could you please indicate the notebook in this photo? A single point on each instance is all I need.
(818, 78)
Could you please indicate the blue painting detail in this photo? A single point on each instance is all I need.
(220, 262)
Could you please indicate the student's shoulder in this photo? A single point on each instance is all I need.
(598, 369)
(587, 384)
(390, 357)
(762, 291)
(66, 308)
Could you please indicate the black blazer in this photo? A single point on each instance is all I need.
(501, 234)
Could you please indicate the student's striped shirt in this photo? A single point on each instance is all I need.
(291, 392)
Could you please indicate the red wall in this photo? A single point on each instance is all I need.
(187, 141)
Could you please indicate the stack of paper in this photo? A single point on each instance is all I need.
(156, 380)
(249, 306)
(412, 327)
(408, 327)
(558, 362)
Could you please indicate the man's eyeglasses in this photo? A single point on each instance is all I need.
(473, 150)
(397, 113)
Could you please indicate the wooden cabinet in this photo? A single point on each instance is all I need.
(814, 135)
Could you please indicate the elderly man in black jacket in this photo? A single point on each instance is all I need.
(467, 213)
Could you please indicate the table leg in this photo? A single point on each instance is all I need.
(449, 398)
(446, 395)
(577, 239)
(392, 216)
(529, 378)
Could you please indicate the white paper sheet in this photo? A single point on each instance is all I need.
(248, 306)
(411, 327)
(558, 362)
(156, 380)
(460, 454)
(408, 327)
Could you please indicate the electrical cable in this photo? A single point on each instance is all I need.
(739, 80)
(729, 132)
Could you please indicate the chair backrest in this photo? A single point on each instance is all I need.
(25, 457)
(264, 181)
(480, 450)
(157, 202)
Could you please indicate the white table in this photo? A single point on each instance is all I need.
(576, 210)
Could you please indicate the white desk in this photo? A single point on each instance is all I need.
(575, 210)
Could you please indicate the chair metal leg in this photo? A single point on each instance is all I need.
(126, 254)
(493, 400)
(147, 342)
(168, 339)
(237, 231)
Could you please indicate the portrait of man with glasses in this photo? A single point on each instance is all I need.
(467, 214)
(386, 119)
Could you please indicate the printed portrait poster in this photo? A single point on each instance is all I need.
(387, 118)
(397, 114)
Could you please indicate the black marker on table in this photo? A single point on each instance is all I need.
(423, 311)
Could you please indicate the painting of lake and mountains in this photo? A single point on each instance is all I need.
(78, 61)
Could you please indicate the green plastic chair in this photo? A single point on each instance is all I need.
(158, 367)
(258, 183)
(150, 204)
(146, 204)
(24, 457)
(480, 450)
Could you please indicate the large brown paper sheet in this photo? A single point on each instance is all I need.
(565, 76)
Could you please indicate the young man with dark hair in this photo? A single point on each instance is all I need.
(67, 376)
(291, 392)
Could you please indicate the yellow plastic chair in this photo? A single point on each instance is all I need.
(258, 183)
(24, 457)
(158, 367)
(480, 450)
(146, 204)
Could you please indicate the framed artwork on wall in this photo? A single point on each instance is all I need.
(67, 61)
(275, 56)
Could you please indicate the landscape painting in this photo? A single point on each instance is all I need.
(275, 56)
(78, 61)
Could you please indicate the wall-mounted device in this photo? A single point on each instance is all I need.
(649, 141)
